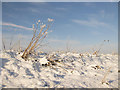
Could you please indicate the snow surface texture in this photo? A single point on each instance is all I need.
(73, 71)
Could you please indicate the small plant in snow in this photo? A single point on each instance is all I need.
(96, 52)
(39, 33)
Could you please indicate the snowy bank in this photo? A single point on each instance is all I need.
(71, 70)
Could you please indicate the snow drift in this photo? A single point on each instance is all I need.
(70, 70)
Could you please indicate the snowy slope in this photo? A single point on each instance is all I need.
(73, 71)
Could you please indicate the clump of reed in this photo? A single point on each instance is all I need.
(40, 32)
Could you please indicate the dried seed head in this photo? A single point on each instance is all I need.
(38, 21)
(50, 20)
(42, 26)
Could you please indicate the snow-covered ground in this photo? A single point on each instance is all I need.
(70, 70)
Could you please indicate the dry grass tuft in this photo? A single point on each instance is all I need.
(37, 38)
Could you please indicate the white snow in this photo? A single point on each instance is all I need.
(43, 60)
(73, 71)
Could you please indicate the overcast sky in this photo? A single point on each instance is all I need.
(80, 26)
